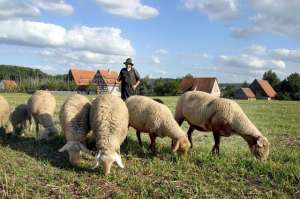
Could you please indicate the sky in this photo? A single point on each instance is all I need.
(233, 40)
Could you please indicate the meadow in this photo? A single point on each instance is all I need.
(31, 169)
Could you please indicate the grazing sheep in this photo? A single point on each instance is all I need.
(4, 116)
(138, 133)
(19, 118)
(41, 106)
(74, 120)
(109, 121)
(147, 115)
(223, 117)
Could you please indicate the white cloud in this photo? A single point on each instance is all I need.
(80, 58)
(13, 8)
(286, 54)
(155, 60)
(276, 16)
(162, 51)
(130, 9)
(251, 62)
(31, 8)
(104, 40)
(223, 10)
(257, 50)
(59, 6)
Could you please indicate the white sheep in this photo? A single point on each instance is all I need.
(138, 133)
(223, 117)
(149, 116)
(74, 120)
(4, 116)
(41, 106)
(109, 120)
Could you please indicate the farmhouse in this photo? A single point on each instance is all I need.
(8, 85)
(245, 94)
(103, 79)
(205, 84)
(262, 89)
(81, 78)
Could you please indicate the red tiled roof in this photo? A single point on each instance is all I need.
(82, 77)
(109, 76)
(9, 83)
(267, 88)
(248, 92)
(204, 84)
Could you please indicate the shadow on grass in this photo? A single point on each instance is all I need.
(163, 151)
(45, 151)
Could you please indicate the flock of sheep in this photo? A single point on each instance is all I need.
(109, 117)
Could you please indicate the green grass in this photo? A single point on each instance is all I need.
(30, 169)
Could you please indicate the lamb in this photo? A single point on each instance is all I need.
(223, 117)
(19, 118)
(109, 119)
(74, 120)
(150, 116)
(41, 106)
(4, 116)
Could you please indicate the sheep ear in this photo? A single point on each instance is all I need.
(97, 160)
(260, 142)
(65, 147)
(118, 159)
(84, 148)
(175, 146)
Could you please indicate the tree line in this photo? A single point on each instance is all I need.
(30, 80)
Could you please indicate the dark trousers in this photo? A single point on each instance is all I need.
(126, 92)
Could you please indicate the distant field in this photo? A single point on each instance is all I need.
(35, 169)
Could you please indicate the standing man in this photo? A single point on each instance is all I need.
(129, 79)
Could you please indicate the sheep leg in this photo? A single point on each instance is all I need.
(216, 148)
(152, 145)
(190, 131)
(37, 128)
(138, 135)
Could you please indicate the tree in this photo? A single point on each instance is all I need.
(272, 78)
(145, 87)
(229, 91)
(188, 76)
(245, 84)
(166, 87)
(289, 88)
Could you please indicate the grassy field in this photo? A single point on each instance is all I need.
(30, 169)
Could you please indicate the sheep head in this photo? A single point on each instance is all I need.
(9, 128)
(108, 160)
(74, 148)
(48, 133)
(260, 149)
(181, 145)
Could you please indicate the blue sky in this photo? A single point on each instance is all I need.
(233, 40)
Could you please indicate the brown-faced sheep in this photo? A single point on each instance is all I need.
(74, 120)
(149, 116)
(41, 106)
(223, 117)
(4, 116)
(20, 118)
(109, 121)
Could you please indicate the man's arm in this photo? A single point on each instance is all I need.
(119, 79)
(137, 77)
